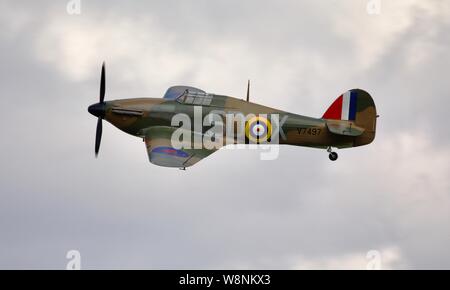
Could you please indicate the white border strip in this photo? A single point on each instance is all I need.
(345, 105)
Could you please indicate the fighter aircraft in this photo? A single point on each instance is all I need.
(350, 121)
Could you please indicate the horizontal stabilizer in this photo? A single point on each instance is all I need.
(344, 128)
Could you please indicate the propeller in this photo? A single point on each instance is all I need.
(98, 110)
(102, 84)
(98, 136)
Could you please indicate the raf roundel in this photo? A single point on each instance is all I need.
(258, 129)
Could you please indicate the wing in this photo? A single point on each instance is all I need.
(161, 152)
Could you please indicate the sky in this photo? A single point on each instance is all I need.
(231, 210)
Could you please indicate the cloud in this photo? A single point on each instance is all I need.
(231, 210)
(385, 259)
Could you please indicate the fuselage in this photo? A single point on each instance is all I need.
(133, 116)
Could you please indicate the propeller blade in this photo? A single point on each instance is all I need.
(102, 84)
(98, 136)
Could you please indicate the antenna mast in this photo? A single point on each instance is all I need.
(248, 91)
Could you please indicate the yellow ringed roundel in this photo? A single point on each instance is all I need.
(258, 129)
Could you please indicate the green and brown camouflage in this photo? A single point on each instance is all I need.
(349, 122)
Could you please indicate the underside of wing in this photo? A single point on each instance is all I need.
(161, 151)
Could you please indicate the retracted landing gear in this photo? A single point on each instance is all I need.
(332, 155)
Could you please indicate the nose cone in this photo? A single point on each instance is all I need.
(97, 110)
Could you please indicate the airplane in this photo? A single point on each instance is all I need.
(350, 121)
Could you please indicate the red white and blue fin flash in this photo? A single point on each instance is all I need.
(343, 108)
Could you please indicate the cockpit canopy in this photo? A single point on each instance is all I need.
(188, 95)
(176, 91)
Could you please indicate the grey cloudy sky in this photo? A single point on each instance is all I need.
(231, 210)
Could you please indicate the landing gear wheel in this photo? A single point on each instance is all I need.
(333, 156)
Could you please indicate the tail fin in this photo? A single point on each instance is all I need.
(355, 106)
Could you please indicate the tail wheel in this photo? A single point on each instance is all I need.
(333, 156)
